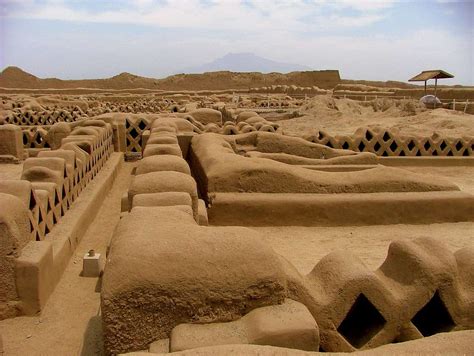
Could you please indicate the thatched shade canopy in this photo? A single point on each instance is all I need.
(431, 74)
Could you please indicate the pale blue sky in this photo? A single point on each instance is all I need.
(373, 40)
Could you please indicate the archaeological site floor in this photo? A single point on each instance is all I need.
(234, 223)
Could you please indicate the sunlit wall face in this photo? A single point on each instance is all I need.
(373, 40)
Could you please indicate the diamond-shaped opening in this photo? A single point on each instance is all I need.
(411, 145)
(450, 153)
(427, 145)
(435, 153)
(465, 153)
(386, 136)
(85, 146)
(459, 145)
(345, 145)
(418, 153)
(377, 146)
(361, 323)
(402, 153)
(443, 145)
(38, 138)
(433, 318)
(385, 154)
(368, 135)
(393, 146)
(329, 144)
(142, 125)
(25, 138)
(133, 132)
(32, 201)
(361, 146)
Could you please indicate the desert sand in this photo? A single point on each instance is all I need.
(344, 116)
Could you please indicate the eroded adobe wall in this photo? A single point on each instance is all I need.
(158, 204)
(227, 171)
(15, 233)
(183, 280)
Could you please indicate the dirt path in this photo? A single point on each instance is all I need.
(70, 323)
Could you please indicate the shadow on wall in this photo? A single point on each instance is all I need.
(93, 343)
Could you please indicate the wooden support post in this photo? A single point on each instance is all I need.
(465, 106)
(454, 104)
(425, 87)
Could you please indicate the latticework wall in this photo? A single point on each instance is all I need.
(50, 200)
(388, 143)
(35, 137)
(41, 118)
(133, 133)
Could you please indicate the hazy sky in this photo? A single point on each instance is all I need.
(374, 40)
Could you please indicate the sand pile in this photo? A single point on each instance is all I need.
(290, 89)
(344, 116)
(342, 107)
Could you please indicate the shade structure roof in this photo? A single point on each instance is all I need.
(431, 74)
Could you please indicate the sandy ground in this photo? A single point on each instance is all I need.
(11, 171)
(70, 323)
(305, 246)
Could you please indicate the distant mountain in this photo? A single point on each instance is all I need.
(246, 62)
(13, 77)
